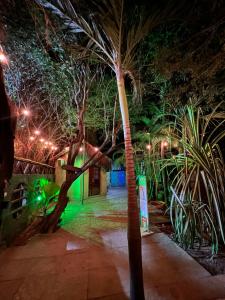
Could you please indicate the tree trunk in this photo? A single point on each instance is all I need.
(51, 222)
(48, 224)
(134, 235)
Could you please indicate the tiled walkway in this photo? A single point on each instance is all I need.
(87, 259)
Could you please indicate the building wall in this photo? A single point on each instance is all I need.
(86, 185)
(11, 226)
(60, 174)
(79, 190)
(103, 182)
(117, 178)
(76, 191)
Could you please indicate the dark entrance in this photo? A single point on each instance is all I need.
(94, 181)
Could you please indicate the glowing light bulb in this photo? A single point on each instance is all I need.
(148, 147)
(42, 140)
(165, 144)
(32, 138)
(3, 58)
(67, 148)
(81, 149)
(96, 149)
(26, 112)
(39, 198)
(37, 132)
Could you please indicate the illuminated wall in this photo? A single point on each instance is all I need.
(79, 188)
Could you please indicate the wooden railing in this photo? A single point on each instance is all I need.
(27, 166)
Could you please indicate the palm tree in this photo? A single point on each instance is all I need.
(112, 36)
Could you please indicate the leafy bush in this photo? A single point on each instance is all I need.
(197, 206)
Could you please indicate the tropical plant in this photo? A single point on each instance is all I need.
(43, 195)
(113, 29)
(107, 30)
(197, 206)
(153, 142)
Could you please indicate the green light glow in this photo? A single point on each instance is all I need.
(76, 190)
(39, 198)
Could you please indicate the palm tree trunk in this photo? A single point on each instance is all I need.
(133, 234)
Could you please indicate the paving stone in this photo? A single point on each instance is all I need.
(103, 282)
(15, 269)
(89, 260)
(9, 288)
(72, 264)
(73, 287)
(44, 265)
(98, 258)
(35, 287)
(120, 296)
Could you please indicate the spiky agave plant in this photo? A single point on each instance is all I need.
(197, 206)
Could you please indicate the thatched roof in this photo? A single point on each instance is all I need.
(104, 162)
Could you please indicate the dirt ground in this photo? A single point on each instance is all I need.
(213, 264)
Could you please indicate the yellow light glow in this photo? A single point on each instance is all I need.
(37, 132)
(148, 147)
(31, 138)
(3, 58)
(25, 112)
(81, 149)
(165, 144)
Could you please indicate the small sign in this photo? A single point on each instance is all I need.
(143, 203)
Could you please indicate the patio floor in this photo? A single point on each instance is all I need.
(87, 259)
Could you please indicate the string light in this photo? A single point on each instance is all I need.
(96, 149)
(26, 112)
(42, 140)
(37, 132)
(3, 58)
(165, 144)
(32, 138)
(81, 149)
(148, 147)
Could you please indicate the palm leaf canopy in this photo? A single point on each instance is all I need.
(113, 28)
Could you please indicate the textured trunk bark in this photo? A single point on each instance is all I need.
(51, 222)
(134, 235)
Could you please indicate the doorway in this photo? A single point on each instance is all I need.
(94, 181)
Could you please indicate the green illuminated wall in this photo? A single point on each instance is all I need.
(79, 189)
